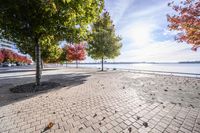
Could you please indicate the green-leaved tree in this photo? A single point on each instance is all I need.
(103, 42)
(29, 22)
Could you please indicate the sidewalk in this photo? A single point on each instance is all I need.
(104, 102)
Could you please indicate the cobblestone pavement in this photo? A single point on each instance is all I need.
(103, 103)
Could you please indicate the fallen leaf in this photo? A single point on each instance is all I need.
(130, 129)
(2, 117)
(173, 103)
(138, 117)
(191, 106)
(145, 124)
(49, 126)
(80, 128)
(95, 115)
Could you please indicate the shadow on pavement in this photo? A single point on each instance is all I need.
(23, 70)
(62, 80)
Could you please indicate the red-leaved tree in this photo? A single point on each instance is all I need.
(75, 52)
(7, 55)
(1, 57)
(186, 21)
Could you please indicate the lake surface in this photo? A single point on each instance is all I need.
(192, 69)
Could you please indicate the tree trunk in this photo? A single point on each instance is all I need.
(38, 63)
(42, 64)
(102, 64)
(76, 63)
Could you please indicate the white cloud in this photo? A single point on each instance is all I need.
(144, 32)
(161, 52)
(117, 8)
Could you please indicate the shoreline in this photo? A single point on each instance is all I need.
(193, 75)
(179, 74)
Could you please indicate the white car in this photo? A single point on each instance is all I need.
(6, 64)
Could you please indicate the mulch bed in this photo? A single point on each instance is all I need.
(31, 87)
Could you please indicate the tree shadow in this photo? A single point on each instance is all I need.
(12, 70)
(59, 80)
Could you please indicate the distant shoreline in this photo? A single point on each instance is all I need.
(195, 75)
(196, 62)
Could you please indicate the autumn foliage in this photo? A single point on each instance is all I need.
(187, 21)
(1, 57)
(75, 52)
(7, 55)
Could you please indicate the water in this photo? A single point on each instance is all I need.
(189, 69)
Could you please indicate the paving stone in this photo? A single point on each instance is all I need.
(118, 129)
(123, 125)
(136, 125)
(155, 131)
(185, 130)
(114, 123)
(72, 109)
(127, 122)
(160, 128)
(103, 129)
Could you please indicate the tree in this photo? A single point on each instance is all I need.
(51, 53)
(103, 42)
(186, 21)
(75, 52)
(7, 55)
(29, 22)
(50, 50)
(1, 57)
(63, 55)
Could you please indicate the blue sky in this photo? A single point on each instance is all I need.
(142, 24)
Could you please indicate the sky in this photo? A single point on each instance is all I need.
(142, 24)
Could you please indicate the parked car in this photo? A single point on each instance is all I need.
(18, 64)
(13, 64)
(6, 64)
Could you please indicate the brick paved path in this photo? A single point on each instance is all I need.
(102, 104)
